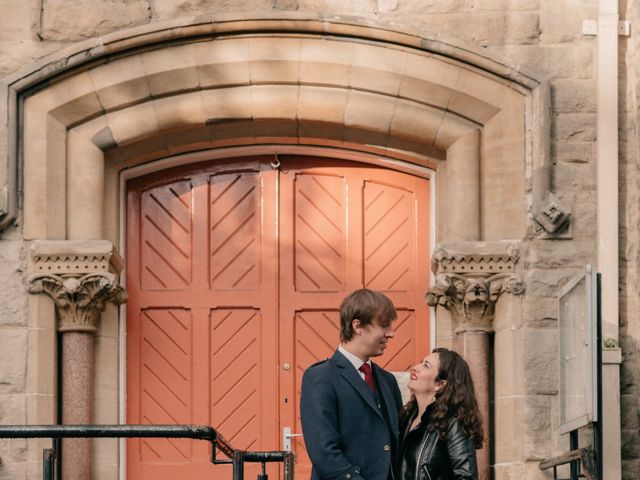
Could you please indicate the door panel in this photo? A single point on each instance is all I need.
(166, 379)
(319, 233)
(201, 273)
(235, 273)
(388, 233)
(167, 237)
(369, 228)
(235, 231)
(235, 375)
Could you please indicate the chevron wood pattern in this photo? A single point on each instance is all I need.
(235, 231)
(166, 380)
(388, 237)
(235, 375)
(165, 244)
(320, 233)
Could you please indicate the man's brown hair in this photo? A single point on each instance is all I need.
(365, 305)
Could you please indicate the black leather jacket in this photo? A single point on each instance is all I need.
(424, 456)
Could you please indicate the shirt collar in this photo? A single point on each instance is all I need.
(353, 359)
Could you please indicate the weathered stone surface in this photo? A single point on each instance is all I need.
(72, 20)
(20, 21)
(555, 254)
(537, 416)
(629, 376)
(541, 361)
(13, 369)
(630, 469)
(574, 127)
(630, 443)
(13, 470)
(541, 312)
(575, 175)
(424, 6)
(532, 472)
(509, 471)
(16, 54)
(552, 61)
(562, 21)
(480, 5)
(546, 282)
(574, 152)
(13, 410)
(336, 6)
(489, 28)
(568, 95)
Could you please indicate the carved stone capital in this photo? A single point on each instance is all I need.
(79, 300)
(471, 299)
(470, 276)
(80, 277)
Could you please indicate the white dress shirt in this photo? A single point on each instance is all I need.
(354, 360)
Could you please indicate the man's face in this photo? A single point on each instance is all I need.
(372, 339)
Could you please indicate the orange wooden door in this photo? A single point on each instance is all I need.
(235, 272)
(346, 226)
(201, 318)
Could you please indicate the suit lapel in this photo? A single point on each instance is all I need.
(387, 395)
(355, 380)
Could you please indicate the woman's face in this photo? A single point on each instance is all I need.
(423, 376)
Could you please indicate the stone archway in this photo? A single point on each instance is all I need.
(133, 97)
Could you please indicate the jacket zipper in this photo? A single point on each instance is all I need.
(424, 444)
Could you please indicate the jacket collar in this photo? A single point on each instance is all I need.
(350, 374)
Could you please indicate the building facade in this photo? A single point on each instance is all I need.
(189, 188)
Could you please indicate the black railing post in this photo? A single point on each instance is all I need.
(263, 475)
(238, 465)
(289, 466)
(48, 463)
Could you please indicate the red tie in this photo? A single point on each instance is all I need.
(368, 377)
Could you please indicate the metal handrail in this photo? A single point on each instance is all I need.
(197, 432)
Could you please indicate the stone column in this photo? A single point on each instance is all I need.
(80, 277)
(463, 188)
(470, 277)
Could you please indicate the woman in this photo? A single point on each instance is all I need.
(440, 427)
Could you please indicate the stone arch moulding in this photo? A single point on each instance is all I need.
(167, 88)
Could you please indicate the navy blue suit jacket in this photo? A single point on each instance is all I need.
(345, 432)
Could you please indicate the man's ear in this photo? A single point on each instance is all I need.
(356, 325)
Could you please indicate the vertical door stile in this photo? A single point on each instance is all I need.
(286, 376)
(201, 321)
(270, 318)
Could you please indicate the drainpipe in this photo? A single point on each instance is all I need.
(608, 229)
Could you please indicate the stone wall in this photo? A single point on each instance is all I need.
(629, 243)
(544, 35)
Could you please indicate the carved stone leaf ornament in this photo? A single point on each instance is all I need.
(79, 300)
(467, 284)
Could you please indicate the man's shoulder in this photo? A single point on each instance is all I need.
(318, 367)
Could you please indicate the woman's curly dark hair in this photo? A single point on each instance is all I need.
(456, 399)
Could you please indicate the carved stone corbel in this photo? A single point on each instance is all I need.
(470, 277)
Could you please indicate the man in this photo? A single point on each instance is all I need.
(349, 405)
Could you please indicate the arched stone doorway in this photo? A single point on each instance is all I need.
(139, 97)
